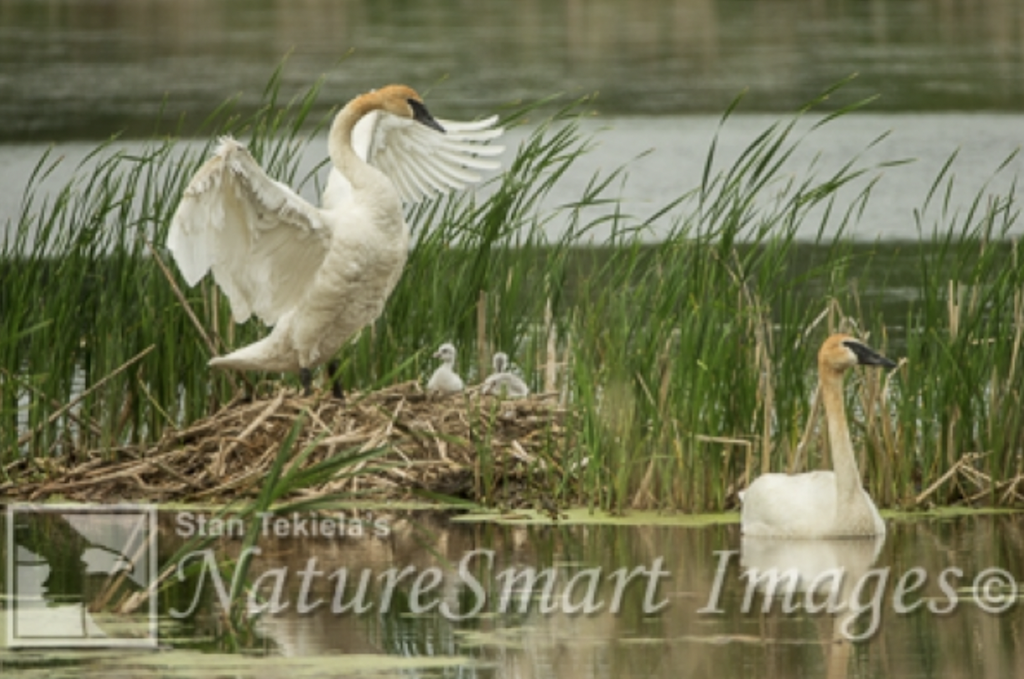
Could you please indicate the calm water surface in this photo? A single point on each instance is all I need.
(664, 157)
(702, 628)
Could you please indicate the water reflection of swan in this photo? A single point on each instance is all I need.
(445, 380)
(833, 571)
(820, 504)
(320, 274)
(811, 562)
(502, 382)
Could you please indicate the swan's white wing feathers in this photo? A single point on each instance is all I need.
(262, 241)
(420, 161)
(432, 161)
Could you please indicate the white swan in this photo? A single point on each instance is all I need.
(820, 504)
(502, 382)
(445, 380)
(318, 275)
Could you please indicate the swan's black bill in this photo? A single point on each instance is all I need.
(868, 356)
(421, 115)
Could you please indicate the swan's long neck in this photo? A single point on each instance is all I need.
(848, 485)
(358, 172)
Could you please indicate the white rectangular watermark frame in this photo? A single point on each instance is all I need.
(109, 539)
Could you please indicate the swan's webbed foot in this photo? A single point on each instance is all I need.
(332, 371)
(306, 380)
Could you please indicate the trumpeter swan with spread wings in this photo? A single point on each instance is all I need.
(319, 275)
(820, 504)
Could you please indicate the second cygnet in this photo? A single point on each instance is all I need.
(502, 382)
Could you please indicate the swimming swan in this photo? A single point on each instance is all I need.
(820, 504)
(501, 382)
(445, 380)
(318, 275)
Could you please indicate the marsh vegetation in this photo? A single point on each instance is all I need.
(684, 366)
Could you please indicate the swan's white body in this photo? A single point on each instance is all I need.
(819, 504)
(319, 275)
(805, 506)
(502, 382)
(445, 380)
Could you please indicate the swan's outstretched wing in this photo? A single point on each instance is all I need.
(261, 240)
(419, 160)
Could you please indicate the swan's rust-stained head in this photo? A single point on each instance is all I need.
(841, 352)
(399, 100)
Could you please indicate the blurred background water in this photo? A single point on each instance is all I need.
(84, 69)
(948, 76)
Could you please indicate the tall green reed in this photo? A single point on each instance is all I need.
(961, 390)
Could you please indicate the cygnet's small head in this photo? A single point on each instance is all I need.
(403, 101)
(500, 362)
(841, 352)
(446, 352)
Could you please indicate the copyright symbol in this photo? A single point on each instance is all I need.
(995, 590)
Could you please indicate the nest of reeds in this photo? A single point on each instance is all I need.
(469, 446)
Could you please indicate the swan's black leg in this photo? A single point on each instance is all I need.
(332, 371)
(306, 379)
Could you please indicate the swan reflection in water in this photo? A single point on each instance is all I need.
(819, 577)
